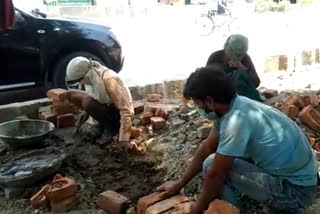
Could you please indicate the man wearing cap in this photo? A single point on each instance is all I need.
(238, 65)
(106, 98)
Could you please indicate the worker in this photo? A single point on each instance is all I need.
(238, 65)
(254, 149)
(106, 97)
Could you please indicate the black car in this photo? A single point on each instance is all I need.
(37, 50)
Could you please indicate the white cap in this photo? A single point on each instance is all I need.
(77, 68)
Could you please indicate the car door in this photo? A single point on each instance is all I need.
(20, 54)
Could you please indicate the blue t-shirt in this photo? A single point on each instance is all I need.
(269, 138)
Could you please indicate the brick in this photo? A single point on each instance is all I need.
(312, 141)
(222, 207)
(64, 205)
(59, 110)
(296, 100)
(180, 208)
(65, 121)
(290, 110)
(61, 189)
(147, 201)
(162, 113)
(59, 103)
(158, 123)
(166, 205)
(113, 202)
(135, 132)
(204, 131)
(269, 93)
(153, 97)
(310, 99)
(151, 109)
(138, 107)
(40, 199)
(43, 109)
(146, 118)
(310, 117)
(56, 94)
(48, 116)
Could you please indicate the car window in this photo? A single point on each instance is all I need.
(20, 20)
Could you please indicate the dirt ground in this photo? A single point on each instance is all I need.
(99, 165)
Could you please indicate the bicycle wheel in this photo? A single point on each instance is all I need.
(205, 26)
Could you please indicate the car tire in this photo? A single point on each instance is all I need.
(59, 72)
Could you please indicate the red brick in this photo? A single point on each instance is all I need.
(59, 110)
(310, 99)
(48, 116)
(135, 132)
(269, 93)
(153, 97)
(162, 113)
(56, 94)
(61, 189)
(290, 110)
(312, 141)
(310, 117)
(138, 107)
(158, 123)
(166, 205)
(180, 208)
(64, 205)
(222, 207)
(65, 121)
(147, 201)
(146, 118)
(151, 109)
(60, 103)
(295, 100)
(113, 202)
(40, 199)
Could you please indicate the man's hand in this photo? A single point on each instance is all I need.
(168, 189)
(65, 96)
(237, 65)
(82, 119)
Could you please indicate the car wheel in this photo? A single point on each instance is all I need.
(59, 72)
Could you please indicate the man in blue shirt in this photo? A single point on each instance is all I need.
(253, 149)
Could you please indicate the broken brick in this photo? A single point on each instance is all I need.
(65, 121)
(40, 199)
(48, 116)
(310, 117)
(64, 205)
(61, 189)
(151, 109)
(295, 100)
(146, 118)
(180, 208)
(222, 207)
(162, 113)
(166, 205)
(65, 109)
(312, 141)
(135, 132)
(153, 97)
(56, 94)
(148, 201)
(290, 110)
(269, 93)
(158, 123)
(310, 99)
(138, 107)
(113, 202)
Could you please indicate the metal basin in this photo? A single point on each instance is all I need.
(25, 133)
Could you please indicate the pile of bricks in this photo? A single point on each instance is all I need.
(60, 113)
(61, 195)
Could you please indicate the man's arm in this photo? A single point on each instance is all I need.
(207, 147)
(214, 181)
(122, 100)
(253, 76)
